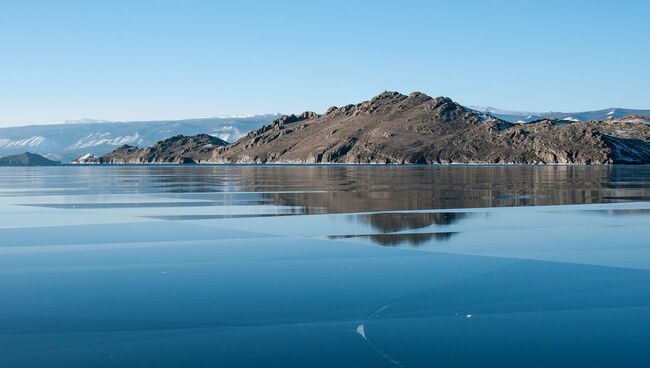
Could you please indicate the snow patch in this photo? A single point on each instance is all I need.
(34, 141)
(98, 139)
(86, 156)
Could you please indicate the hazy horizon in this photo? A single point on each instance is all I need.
(92, 120)
(124, 61)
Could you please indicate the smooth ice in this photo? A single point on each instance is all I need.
(307, 266)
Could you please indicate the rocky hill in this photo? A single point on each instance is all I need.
(175, 150)
(413, 129)
(27, 159)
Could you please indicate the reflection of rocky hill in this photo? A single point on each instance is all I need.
(344, 189)
(356, 189)
(393, 222)
(388, 223)
(392, 240)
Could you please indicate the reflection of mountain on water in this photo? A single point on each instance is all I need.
(346, 189)
(623, 212)
(393, 222)
(389, 223)
(391, 240)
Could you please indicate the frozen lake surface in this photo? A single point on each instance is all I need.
(329, 266)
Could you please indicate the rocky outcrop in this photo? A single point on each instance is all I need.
(27, 159)
(413, 129)
(418, 129)
(175, 150)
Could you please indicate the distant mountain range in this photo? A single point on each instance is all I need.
(69, 140)
(414, 129)
(515, 116)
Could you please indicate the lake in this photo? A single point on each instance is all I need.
(325, 266)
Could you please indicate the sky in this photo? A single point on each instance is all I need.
(143, 60)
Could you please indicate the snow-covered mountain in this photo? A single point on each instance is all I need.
(71, 139)
(515, 116)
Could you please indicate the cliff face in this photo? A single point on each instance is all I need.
(395, 128)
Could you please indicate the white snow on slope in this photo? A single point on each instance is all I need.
(98, 139)
(86, 157)
(34, 141)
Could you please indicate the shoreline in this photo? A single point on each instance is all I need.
(332, 165)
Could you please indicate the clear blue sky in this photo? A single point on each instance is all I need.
(142, 59)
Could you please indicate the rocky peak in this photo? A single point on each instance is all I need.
(288, 119)
(387, 95)
(382, 103)
(419, 97)
(442, 100)
(194, 140)
(127, 148)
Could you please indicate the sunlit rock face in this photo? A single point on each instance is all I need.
(393, 128)
(175, 150)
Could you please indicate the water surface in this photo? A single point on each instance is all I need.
(324, 266)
